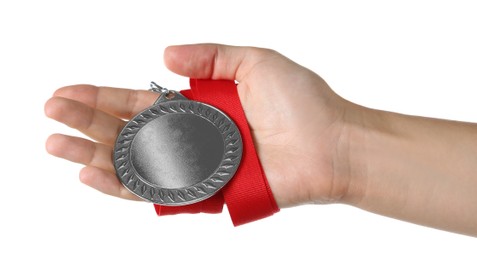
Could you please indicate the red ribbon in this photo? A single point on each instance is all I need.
(247, 195)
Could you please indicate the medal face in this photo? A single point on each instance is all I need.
(177, 152)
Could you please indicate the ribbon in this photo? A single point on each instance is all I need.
(248, 196)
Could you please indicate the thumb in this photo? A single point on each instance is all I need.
(213, 61)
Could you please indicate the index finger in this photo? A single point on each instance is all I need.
(120, 102)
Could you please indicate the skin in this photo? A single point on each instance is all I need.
(314, 146)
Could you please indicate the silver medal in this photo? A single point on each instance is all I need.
(178, 151)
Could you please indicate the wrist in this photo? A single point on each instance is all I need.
(410, 168)
(350, 161)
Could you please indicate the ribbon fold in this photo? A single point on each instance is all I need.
(248, 196)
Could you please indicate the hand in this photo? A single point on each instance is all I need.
(295, 119)
(314, 146)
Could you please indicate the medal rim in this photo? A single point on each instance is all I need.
(202, 190)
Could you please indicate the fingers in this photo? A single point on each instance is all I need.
(81, 151)
(94, 123)
(105, 182)
(99, 172)
(195, 61)
(123, 103)
(214, 61)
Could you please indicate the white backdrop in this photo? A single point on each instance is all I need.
(416, 57)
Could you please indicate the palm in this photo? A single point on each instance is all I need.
(294, 132)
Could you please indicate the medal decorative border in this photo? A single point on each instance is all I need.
(129, 177)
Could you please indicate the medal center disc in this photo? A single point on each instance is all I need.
(177, 151)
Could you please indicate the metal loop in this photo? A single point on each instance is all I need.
(156, 88)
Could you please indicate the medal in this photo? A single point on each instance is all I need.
(177, 151)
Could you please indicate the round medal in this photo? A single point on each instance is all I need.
(178, 151)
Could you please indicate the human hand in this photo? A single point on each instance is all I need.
(294, 117)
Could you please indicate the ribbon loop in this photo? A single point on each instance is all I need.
(248, 196)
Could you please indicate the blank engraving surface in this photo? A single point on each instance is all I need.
(175, 151)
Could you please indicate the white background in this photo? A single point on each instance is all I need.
(415, 57)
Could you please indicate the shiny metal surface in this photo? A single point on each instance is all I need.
(177, 151)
